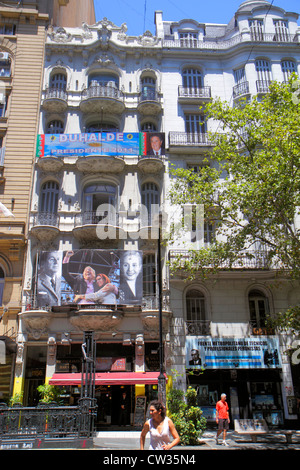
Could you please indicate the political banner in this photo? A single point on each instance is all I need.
(100, 143)
(89, 277)
(232, 353)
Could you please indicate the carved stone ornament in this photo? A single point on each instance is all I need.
(147, 39)
(36, 322)
(60, 35)
(96, 320)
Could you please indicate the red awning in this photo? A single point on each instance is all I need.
(108, 378)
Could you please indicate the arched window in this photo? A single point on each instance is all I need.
(264, 75)
(196, 316)
(103, 79)
(148, 85)
(258, 307)
(150, 202)
(192, 79)
(288, 67)
(58, 81)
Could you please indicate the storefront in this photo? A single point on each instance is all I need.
(248, 370)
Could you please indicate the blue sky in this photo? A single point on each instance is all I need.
(139, 14)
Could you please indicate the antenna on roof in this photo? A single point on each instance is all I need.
(145, 8)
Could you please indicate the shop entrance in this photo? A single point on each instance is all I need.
(115, 405)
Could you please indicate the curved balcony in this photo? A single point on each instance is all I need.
(50, 164)
(150, 163)
(95, 319)
(100, 164)
(45, 226)
(36, 321)
(102, 97)
(91, 226)
(149, 103)
(150, 315)
(55, 100)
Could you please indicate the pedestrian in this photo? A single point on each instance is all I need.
(123, 410)
(160, 428)
(222, 418)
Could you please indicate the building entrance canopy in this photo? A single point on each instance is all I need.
(108, 378)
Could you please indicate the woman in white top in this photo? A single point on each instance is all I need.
(160, 428)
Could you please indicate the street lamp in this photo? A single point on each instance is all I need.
(161, 377)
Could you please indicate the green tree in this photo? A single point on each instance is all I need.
(186, 415)
(250, 182)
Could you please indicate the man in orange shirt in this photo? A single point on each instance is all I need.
(222, 418)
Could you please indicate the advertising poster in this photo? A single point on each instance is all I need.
(232, 353)
(100, 143)
(89, 277)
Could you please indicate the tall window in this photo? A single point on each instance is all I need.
(281, 30)
(150, 202)
(288, 67)
(149, 275)
(241, 85)
(264, 75)
(195, 306)
(256, 29)
(258, 307)
(97, 79)
(148, 88)
(49, 197)
(192, 79)
(99, 203)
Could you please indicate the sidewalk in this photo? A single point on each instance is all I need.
(129, 440)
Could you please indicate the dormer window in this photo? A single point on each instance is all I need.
(281, 30)
(188, 39)
(257, 30)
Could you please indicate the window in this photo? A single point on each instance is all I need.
(150, 203)
(148, 85)
(101, 127)
(281, 30)
(241, 85)
(195, 127)
(148, 127)
(58, 81)
(288, 67)
(264, 75)
(195, 306)
(105, 80)
(99, 203)
(258, 307)
(8, 29)
(5, 64)
(188, 39)
(256, 29)
(49, 197)
(192, 79)
(149, 275)
(55, 127)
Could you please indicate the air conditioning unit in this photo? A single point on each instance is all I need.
(4, 56)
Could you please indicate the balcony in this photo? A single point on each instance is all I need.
(149, 103)
(180, 141)
(96, 319)
(150, 315)
(45, 226)
(150, 164)
(36, 321)
(194, 95)
(241, 90)
(93, 226)
(262, 86)
(260, 329)
(55, 100)
(102, 97)
(248, 260)
(100, 164)
(50, 164)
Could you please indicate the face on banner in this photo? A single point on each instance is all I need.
(107, 277)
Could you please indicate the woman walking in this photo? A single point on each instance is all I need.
(160, 428)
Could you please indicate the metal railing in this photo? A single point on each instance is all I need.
(56, 93)
(149, 95)
(48, 420)
(241, 89)
(194, 92)
(94, 218)
(263, 86)
(46, 218)
(102, 90)
(189, 138)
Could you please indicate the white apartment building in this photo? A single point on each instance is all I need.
(97, 193)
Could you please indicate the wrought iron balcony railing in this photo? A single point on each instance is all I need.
(189, 139)
(194, 92)
(95, 217)
(197, 327)
(56, 93)
(241, 89)
(46, 218)
(102, 90)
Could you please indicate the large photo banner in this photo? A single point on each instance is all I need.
(109, 277)
(232, 353)
(101, 143)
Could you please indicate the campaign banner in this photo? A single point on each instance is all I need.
(232, 353)
(89, 277)
(100, 143)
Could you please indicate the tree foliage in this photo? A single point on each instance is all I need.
(251, 180)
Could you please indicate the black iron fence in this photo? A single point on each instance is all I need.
(48, 421)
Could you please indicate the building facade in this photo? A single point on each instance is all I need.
(109, 101)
